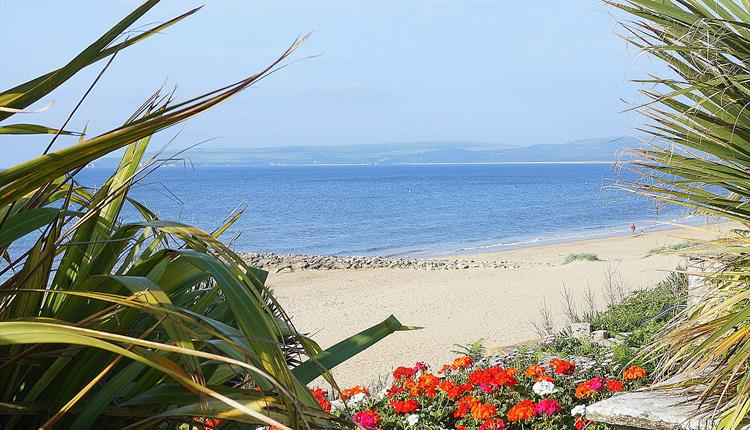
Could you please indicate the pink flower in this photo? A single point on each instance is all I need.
(596, 383)
(547, 406)
(367, 419)
(420, 367)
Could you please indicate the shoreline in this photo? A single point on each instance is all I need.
(464, 258)
(496, 302)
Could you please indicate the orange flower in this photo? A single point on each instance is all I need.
(584, 390)
(545, 378)
(633, 372)
(483, 411)
(535, 370)
(349, 392)
(464, 406)
(524, 410)
(427, 384)
(452, 390)
(460, 362)
(562, 367)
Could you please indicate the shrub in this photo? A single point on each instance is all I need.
(698, 157)
(643, 307)
(149, 324)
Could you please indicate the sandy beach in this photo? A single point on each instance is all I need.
(461, 306)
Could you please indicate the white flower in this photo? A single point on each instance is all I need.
(382, 393)
(337, 404)
(544, 388)
(353, 400)
(412, 419)
(578, 410)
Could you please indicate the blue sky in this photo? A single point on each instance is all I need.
(495, 71)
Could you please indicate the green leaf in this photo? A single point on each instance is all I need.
(346, 349)
(33, 129)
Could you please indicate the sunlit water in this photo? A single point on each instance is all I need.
(397, 210)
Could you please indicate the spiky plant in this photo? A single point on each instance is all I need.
(699, 157)
(146, 324)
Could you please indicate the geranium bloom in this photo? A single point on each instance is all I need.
(460, 362)
(412, 419)
(395, 389)
(349, 392)
(367, 419)
(464, 405)
(562, 367)
(452, 390)
(402, 373)
(547, 406)
(493, 424)
(489, 379)
(614, 385)
(420, 367)
(523, 410)
(584, 389)
(483, 411)
(634, 372)
(535, 371)
(404, 407)
(544, 388)
(427, 384)
(320, 396)
(582, 423)
(596, 383)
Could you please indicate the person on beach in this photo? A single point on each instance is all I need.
(632, 228)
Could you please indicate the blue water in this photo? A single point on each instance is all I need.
(397, 210)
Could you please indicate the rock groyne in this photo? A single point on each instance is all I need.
(279, 263)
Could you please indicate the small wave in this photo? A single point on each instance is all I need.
(499, 245)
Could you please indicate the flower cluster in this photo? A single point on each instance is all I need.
(480, 395)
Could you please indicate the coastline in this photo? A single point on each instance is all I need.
(460, 306)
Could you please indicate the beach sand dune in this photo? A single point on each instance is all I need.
(461, 306)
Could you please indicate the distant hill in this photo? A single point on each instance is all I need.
(411, 152)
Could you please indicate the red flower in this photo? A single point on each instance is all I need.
(395, 389)
(562, 367)
(451, 389)
(614, 386)
(367, 419)
(582, 423)
(547, 406)
(492, 424)
(403, 372)
(633, 372)
(523, 410)
(320, 396)
(404, 407)
(489, 379)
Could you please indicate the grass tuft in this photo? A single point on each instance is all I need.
(673, 247)
(583, 256)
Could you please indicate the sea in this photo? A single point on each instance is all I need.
(399, 210)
